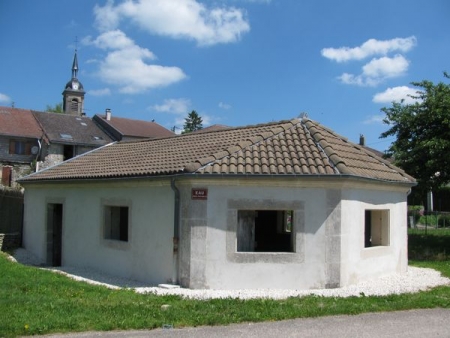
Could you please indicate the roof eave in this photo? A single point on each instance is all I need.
(184, 174)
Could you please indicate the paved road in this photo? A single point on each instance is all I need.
(411, 324)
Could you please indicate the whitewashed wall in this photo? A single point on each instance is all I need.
(360, 263)
(147, 256)
(328, 216)
(329, 234)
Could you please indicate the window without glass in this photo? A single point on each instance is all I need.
(68, 152)
(376, 228)
(74, 105)
(116, 223)
(265, 231)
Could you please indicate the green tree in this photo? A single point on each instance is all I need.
(192, 123)
(422, 131)
(57, 108)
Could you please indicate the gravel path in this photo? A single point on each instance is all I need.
(416, 279)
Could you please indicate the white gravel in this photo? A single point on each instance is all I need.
(416, 279)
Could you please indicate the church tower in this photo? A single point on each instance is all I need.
(73, 94)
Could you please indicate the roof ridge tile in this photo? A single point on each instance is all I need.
(329, 151)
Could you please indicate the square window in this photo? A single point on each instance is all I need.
(376, 228)
(116, 223)
(265, 231)
(19, 147)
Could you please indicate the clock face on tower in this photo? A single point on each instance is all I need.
(75, 86)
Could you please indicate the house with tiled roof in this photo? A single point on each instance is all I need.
(67, 136)
(125, 129)
(20, 137)
(287, 205)
(32, 140)
(213, 127)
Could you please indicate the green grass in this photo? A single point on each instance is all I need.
(35, 301)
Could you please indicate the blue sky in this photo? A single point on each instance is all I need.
(235, 62)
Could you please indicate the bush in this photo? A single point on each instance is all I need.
(428, 220)
(444, 220)
(416, 211)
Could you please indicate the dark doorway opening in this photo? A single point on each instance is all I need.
(54, 233)
(68, 152)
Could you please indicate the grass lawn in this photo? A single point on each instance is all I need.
(36, 301)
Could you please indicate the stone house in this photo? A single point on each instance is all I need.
(288, 205)
(20, 137)
(66, 136)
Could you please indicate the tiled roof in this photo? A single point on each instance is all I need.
(18, 123)
(71, 129)
(213, 127)
(296, 147)
(129, 128)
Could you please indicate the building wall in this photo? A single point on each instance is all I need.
(329, 234)
(21, 165)
(147, 256)
(54, 154)
(328, 231)
(18, 170)
(361, 263)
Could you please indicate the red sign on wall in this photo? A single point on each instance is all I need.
(199, 193)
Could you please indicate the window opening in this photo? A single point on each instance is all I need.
(19, 147)
(376, 228)
(68, 152)
(116, 223)
(74, 105)
(265, 231)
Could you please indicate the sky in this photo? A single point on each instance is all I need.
(235, 62)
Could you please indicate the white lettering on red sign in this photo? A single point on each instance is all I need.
(199, 194)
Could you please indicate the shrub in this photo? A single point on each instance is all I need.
(444, 220)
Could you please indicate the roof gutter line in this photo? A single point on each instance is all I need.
(307, 176)
(176, 231)
(209, 176)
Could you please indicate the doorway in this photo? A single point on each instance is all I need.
(54, 233)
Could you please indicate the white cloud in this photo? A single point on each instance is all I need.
(207, 120)
(369, 48)
(181, 108)
(378, 70)
(100, 92)
(187, 19)
(386, 67)
(173, 106)
(125, 64)
(396, 94)
(374, 119)
(106, 17)
(224, 105)
(4, 98)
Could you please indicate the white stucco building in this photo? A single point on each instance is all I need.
(282, 205)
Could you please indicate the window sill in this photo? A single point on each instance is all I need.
(116, 244)
(375, 251)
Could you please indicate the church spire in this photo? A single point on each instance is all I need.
(75, 66)
(73, 94)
